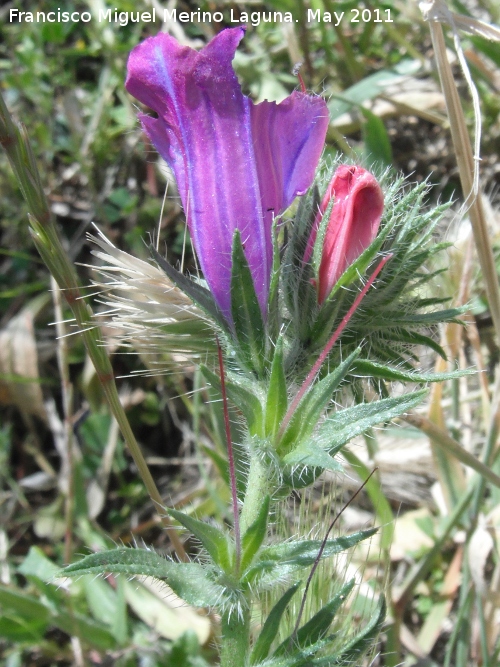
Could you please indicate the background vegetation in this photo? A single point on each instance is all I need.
(67, 484)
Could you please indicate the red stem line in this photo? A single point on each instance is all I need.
(326, 351)
(230, 456)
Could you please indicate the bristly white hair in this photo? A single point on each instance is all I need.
(142, 302)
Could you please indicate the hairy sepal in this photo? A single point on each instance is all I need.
(190, 581)
(277, 397)
(297, 275)
(312, 405)
(249, 326)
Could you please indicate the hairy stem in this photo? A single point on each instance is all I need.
(235, 640)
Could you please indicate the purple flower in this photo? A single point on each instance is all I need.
(237, 164)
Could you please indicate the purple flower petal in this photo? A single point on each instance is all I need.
(236, 164)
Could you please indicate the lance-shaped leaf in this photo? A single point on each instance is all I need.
(281, 559)
(189, 581)
(354, 649)
(269, 631)
(300, 658)
(246, 312)
(305, 463)
(313, 403)
(255, 535)
(25, 614)
(309, 454)
(317, 627)
(277, 398)
(344, 425)
(214, 540)
(374, 369)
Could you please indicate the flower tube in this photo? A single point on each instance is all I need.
(237, 164)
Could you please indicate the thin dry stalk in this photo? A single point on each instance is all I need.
(15, 141)
(67, 401)
(466, 167)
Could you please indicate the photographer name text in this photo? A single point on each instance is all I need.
(198, 16)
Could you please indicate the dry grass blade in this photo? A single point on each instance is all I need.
(465, 159)
(19, 378)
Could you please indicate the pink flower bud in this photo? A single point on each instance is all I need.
(353, 223)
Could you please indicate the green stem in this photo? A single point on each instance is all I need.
(235, 640)
(257, 489)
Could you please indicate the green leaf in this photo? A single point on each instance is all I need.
(214, 540)
(190, 581)
(344, 425)
(246, 312)
(24, 605)
(89, 631)
(31, 609)
(219, 461)
(18, 630)
(281, 559)
(414, 338)
(369, 368)
(351, 652)
(367, 88)
(377, 144)
(277, 398)
(436, 317)
(309, 454)
(270, 628)
(317, 627)
(242, 398)
(255, 535)
(36, 564)
(200, 295)
(311, 406)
